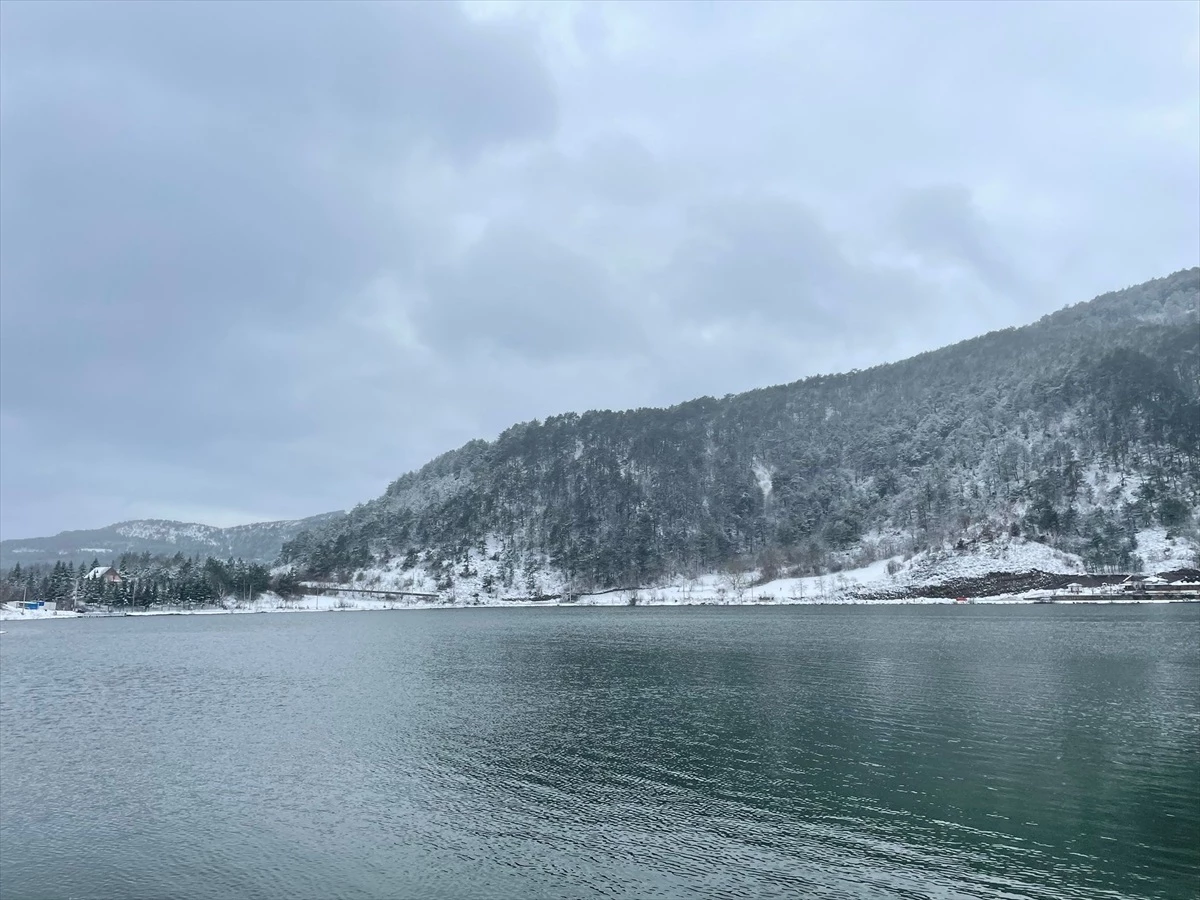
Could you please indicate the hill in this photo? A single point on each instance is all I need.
(1080, 432)
(258, 542)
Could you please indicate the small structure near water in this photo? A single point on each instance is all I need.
(34, 605)
(107, 574)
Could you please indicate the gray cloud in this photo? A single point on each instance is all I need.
(174, 174)
(377, 74)
(519, 290)
(621, 170)
(764, 257)
(944, 223)
(259, 259)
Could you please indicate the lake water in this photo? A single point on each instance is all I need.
(1020, 751)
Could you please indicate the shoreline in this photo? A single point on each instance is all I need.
(12, 615)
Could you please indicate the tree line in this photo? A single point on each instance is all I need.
(147, 581)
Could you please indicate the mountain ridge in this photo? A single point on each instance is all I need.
(253, 542)
(1080, 429)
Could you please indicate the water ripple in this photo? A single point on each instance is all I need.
(856, 753)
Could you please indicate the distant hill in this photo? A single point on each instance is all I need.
(1080, 431)
(258, 542)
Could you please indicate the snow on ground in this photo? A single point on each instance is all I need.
(488, 573)
(492, 578)
(1002, 555)
(928, 569)
(1162, 554)
(1111, 487)
(12, 613)
(271, 603)
(161, 530)
(1009, 555)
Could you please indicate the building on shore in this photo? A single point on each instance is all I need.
(107, 574)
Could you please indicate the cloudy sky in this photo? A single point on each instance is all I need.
(256, 261)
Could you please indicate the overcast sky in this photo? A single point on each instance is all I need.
(257, 261)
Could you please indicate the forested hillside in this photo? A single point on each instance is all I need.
(146, 581)
(1077, 431)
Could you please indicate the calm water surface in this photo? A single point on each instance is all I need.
(1025, 751)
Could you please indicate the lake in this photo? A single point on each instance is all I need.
(857, 751)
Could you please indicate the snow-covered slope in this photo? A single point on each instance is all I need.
(492, 577)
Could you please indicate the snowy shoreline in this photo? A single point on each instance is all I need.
(613, 599)
(1005, 571)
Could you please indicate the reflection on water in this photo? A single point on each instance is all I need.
(838, 752)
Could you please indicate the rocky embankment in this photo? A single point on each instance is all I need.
(1000, 583)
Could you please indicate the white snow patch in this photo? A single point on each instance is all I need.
(489, 572)
(171, 532)
(12, 613)
(1004, 555)
(1160, 553)
(763, 476)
